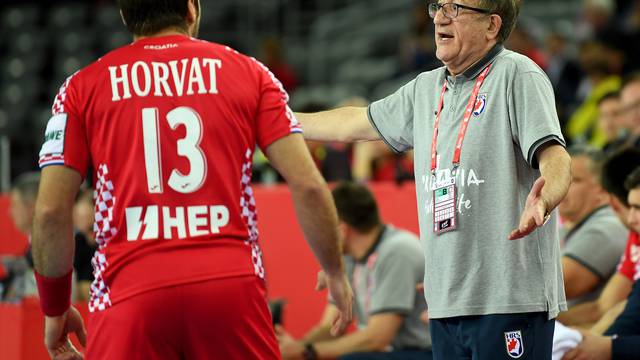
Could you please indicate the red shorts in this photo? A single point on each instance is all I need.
(224, 319)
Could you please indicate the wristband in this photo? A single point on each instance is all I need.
(55, 293)
(310, 352)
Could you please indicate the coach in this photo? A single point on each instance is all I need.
(487, 143)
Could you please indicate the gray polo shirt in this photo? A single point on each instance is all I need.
(597, 243)
(385, 280)
(475, 270)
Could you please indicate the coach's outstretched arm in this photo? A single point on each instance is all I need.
(53, 246)
(317, 216)
(345, 124)
(548, 191)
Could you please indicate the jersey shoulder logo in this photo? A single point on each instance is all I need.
(481, 104)
(514, 343)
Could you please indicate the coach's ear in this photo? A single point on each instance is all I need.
(192, 12)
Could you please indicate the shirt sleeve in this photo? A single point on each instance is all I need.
(533, 116)
(626, 266)
(274, 118)
(65, 139)
(395, 284)
(392, 117)
(597, 247)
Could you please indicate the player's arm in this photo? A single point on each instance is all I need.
(53, 246)
(322, 331)
(377, 336)
(52, 236)
(346, 124)
(616, 290)
(578, 279)
(317, 216)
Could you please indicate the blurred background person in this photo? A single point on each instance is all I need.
(384, 264)
(83, 220)
(18, 279)
(598, 65)
(594, 238)
(611, 122)
(630, 99)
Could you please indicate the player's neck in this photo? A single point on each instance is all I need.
(165, 32)
(361, 243)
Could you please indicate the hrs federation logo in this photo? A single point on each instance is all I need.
(481, 104)
(514, 343)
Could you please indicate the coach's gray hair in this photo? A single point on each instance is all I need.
(508, 11)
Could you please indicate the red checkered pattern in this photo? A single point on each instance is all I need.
(46, 160)
(104, 232)
(58, 103)
(250, 216)
(294, 125)
(100, 293)
(104, 200)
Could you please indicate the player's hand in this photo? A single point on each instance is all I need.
(289, 347)
(342, 296)
(56, 335)
(592, 347)
(534, 212)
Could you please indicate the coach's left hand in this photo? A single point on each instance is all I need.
(592, 347)
(534, 212)
(56, 335)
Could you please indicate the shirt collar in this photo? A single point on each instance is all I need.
(474, 70)
(373, 247)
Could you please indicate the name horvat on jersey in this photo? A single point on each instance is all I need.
(146, 222)
(140, 78)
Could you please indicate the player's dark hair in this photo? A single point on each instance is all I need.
(27, 186)
(356, 206)
(616, 169)
(633, 180)
(148, 17)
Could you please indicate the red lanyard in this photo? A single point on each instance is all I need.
(465, 121)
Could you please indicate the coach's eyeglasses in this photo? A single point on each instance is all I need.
(451, 10)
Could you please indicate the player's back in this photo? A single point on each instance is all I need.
(169, 125)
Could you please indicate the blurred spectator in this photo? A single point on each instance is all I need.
(600, 79)
(273, 57)
(564, 73)
(601, 312)
(522, 41)
(418, 48)
(630, 99)
(18, 279)
(595, 238)
(595, 19)
(611, 122)
(83, 220)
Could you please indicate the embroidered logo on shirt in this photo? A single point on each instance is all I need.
(514, 343)
(481, 104)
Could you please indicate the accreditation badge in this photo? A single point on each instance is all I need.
(444, 206)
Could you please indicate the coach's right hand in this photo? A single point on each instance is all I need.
(342, 296)
(56, 335)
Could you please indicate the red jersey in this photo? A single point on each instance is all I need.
(630, 262)
(169, 126)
